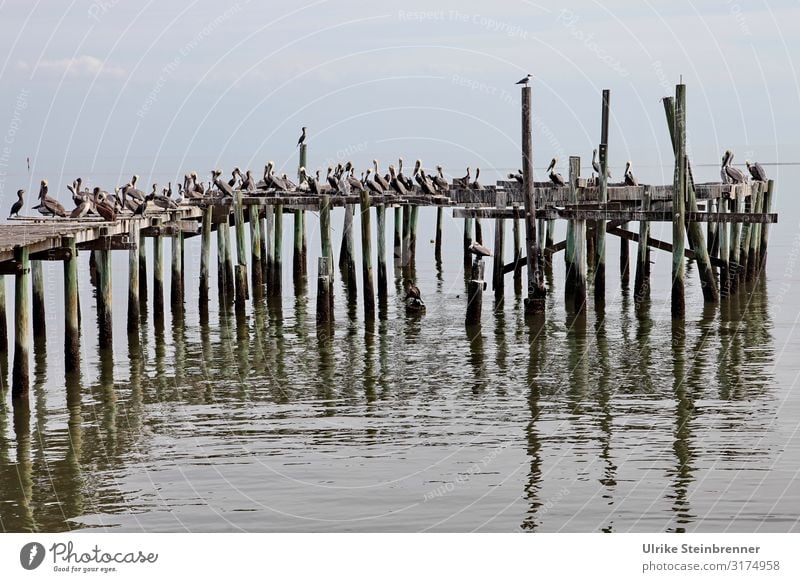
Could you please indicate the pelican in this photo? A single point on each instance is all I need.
(290, 186)
(302, 137)
(128, 202)
(49, 206)
(395, 183)
(439, 180)
(101, 205)
(332, 180)
(342, 185)
(141, 210)
(179, 198)
(463, 182)
(221, 185)
(596, 165)
(198, 186)
(524, 80)
(479, 250)
(355, 183)
(76, 198)
(137, 194)
(555, 177)
(476, 185)
(400, 176)
(630, 179)
(424, 183)
(17, 206)
(248, 184)
(383, 182)
(163, 201)
(517, 177)
(82, 209)
(735, 175)
(371, 184)
(412, 291)
(235, 176)
(413, 298)
(313, 187)
(756, 171)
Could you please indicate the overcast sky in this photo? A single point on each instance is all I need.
(110, 87)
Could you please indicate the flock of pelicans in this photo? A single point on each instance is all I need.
(342, 179)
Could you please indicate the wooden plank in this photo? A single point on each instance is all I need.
(631, 215)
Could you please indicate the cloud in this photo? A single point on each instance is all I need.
(81, 67)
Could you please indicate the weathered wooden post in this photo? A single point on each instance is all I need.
(600, 225)
(205, 253)
(299, 256)
(478, 231)
(398, 237)
(498, 276)
(475, 293)
(366, 257)
(143, 266)
(517, 252)
(37, 284)
(762, 260)
(72, 337)
(3, 319)
(641, 282)
(579, 241)
(678, 231)
(20, 375)
(753, 254)
(406, 250)
(176, 278)
(412, 234)
(744, 241)
(222, 279)
(240, 271)
(724, 251)
(712, 228)
(104, 303)
(535, 302)
(347, 263)
(325, 231)
(437, 247)
(324, 290)
(256, 274)
(736, 205)
(380, 212)
(467, 241)
(277, 267)
(269, 234)
(134, 313)
(158, 274)
(676, 119)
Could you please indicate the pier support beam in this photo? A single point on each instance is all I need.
(412, 235)
(20, 375)
(380, 213)
(277, 267)
(256, 274)
(3, 321)
(467, 241)
(134, 305)
(72, 337)
(242, 292)
(205, 253)
(299, 253)
(475, 293)
(600, 226)
(347, 263)
(764, 243)
(517, 254)
(176, 278)
(325, 231)
(641, 282)
(724, 250)
(222, 279)
(104, 303)
(679, 236)
(324, 291)
(39, 316)
(535, 302)
(498, 277)
(437, 245)
(575, 288)
(736, 205)
(754, 248)
(269, 235)
(366, 257)
(158, 276)
(398, 236)
(142, 267)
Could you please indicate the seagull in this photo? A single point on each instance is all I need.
(524, 80)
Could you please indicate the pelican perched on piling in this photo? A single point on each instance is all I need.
(630, 179)
(221, 185)
(440, 181)
(103, 206)
(248, 183)
(479, 250)
(555, 177)
(164, 201)
(17, 206)
(49, 206)
(596, 165)
(425, 183)
(734, 175)
(133, 191)
(463, 182)
(383, 182)
(396, 184)
(236, 175)
(372, 184)
(475, 184)
(756, 171)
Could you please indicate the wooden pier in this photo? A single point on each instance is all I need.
(738, 218)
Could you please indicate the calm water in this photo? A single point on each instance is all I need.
(620, 422)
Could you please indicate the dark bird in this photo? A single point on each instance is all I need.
(756, 171)
(518, 177)
(731, 174)
(133, 191)
(383, 182)
(236, 175)
(412, 291)
(334, 183)
(372, 185)
(17, 206)
(355, 183)
(425, 184)
(82, 209)
(221, 185)
(395, 184)
(248, 183)
(400, 176)
(479, 250)
(596, 164)
(302, 137)
(555, 177)
(164, 201)
(49, 206)
(141, 210)
(475, 184)
(630, 179)
(462, 182)
(524, 80)
(101, 204)
(440, 181)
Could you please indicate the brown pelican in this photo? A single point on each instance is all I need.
(380, 180)
(49, 206)
(413, 300)
(128, 202)
(235, 176)
(425, 184)
(141, 210)
(734, 175)
(17, 206)
(198, 186)
(517, 177)
(102, 205)
(524, 80)
(756, 171)
(164, 201)
(248, 184)
(332, 179)
(412, 291)
(288, 183)
(479, 250)
(396, 184)
(400, 176)
(371, 184)
(476, 185)
(555, 177)
(221, 185)
(630, 179)
(355, 183)
(76, 198)
(313, 183)
(302, 137)
(137, 194)
(463, 182)
(596, 164)
(82, 209)
(439, 180)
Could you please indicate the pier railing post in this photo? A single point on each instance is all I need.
(366, 256)
(475, 293)
(20, 375)
(72, 341)
(535, 302)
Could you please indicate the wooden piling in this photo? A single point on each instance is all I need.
(600, 226)
(535, 302)
(205, 253)
(754, 246)
(176, 277)
(406, 243)
(380, 213)
(398, 236)
(467, 241)
(478, 231)
(347, 263)
(475, 293)
(3, 321)
(269, 235)
(624, 259)
(764, 243)
(412, 234)
(256, 274)
(437, 248)
(277, 266)
(143, 267)
(744, 240)
(366, 256)
(299, 250)
(724, 250)
(222, 280)
(641, 282)
(72, 341)
(37, 284)
(576, 245)
(240, 272)
(20, 375)
(324, 290)
(498, 277)
(736, 205)
(517, 254)
(325, 231)
(158, 275)
(104, 302)
(134, 304)
(679, 234)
